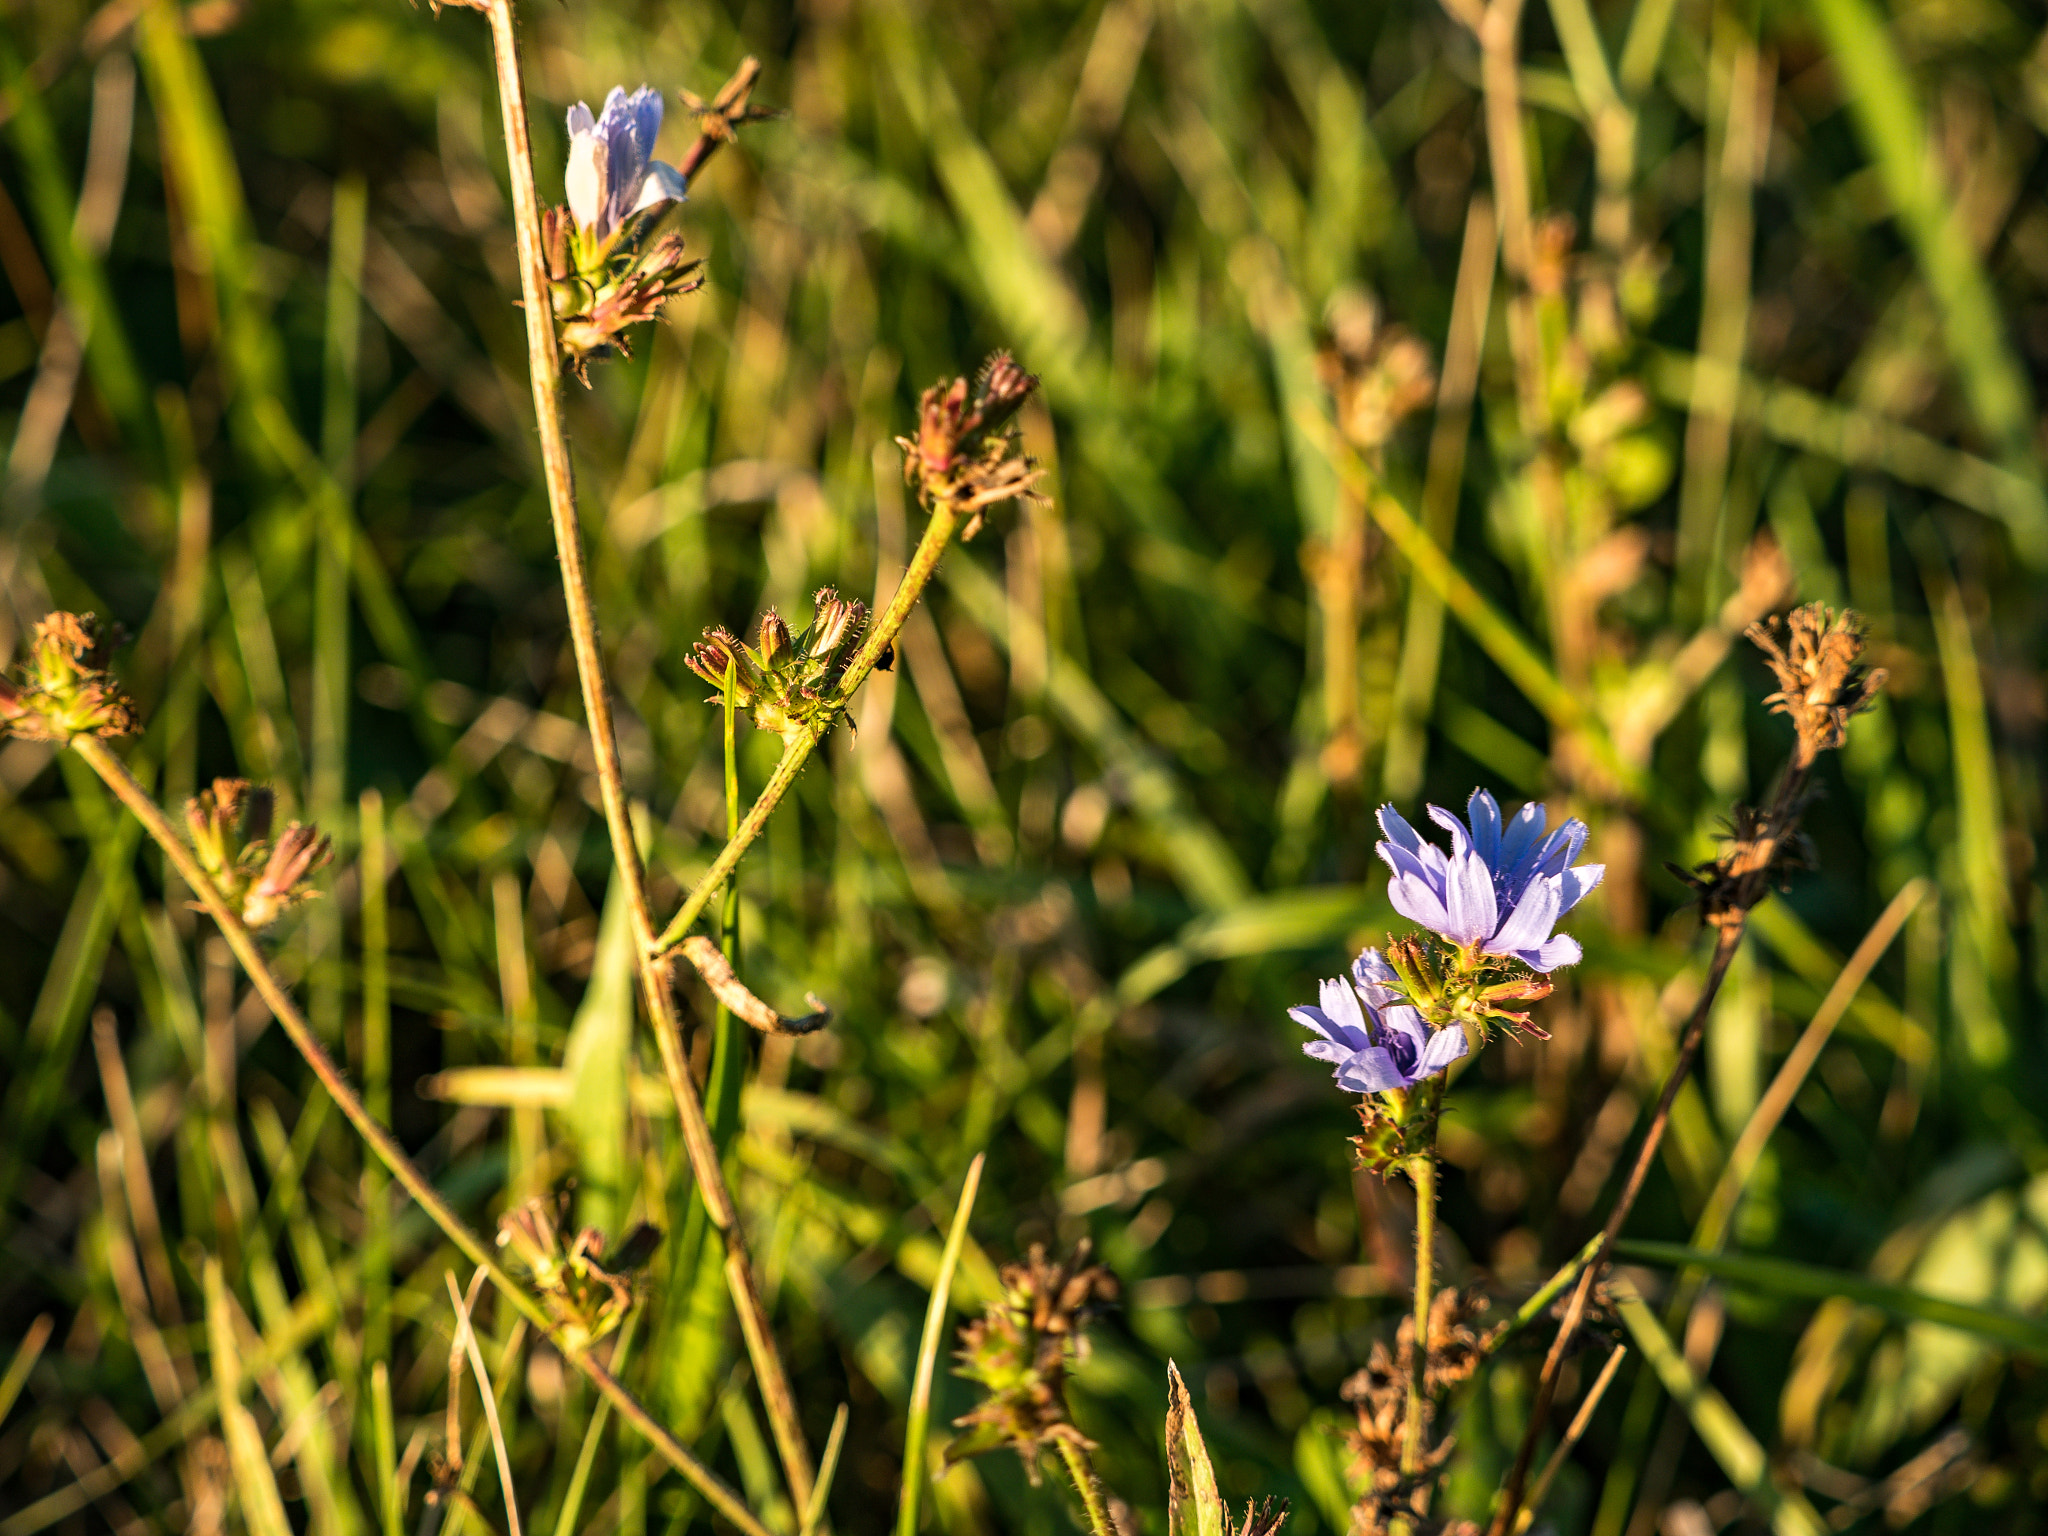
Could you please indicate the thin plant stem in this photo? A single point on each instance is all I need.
(828, 1465)
(919, 1422)
(593, 1437)
(465, 1333)
(1422, 1169)
(924, 561)
(380, 1140)
(1573, 1433)
(1082, 1472)
(544, 372)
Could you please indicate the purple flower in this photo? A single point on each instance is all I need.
(612, 174)
(1375, 1039)
(1502, 888)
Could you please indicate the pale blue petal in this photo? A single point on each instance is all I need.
(1399, 833)
(1444, 1047)
(1575, 884)
(1468, 900)
(1484, 813)
(1561, 951)
(1372, 1070)
(1340, 1005)
(1521, 834)
(1461, 840)
(580, 120)
(1530, 923)
(1418, 903)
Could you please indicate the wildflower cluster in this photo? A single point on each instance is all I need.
(965, 454)
(587, 1296)
(607, 269)
(65, 690)
(262, 879)
(1488, 907)
(1021, 1350)
(789, 682)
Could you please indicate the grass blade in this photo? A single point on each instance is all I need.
(918, 1427)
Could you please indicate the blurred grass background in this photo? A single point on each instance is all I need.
(1754, 316)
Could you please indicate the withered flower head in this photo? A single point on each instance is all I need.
(230, 826)
(1379, 1394)
(965, 454)
(1821, 682)
(789, 682)
(586, 1295)
(65, 689)
(1021, 1349)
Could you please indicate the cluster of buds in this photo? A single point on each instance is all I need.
(1378, 375)
(606, 269)
(1379, 1395)
(1463, 987)
(789, 682)
(65, 689)
(1021, 1349)
(965, 455)
(261, 878)
(588, 1296)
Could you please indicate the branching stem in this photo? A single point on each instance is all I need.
(279, 1000)
(543, 366)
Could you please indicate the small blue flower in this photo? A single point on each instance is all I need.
(1502, 888)
(1375, 1039)
(612, 174)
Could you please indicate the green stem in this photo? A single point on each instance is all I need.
(1422, 1169)
(1085, 1484)
(923, 563)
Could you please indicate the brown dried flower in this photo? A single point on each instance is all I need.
(1821, 681)
(1822, 684)
(965, 453)
(1379, 1395)
(1021, 1349)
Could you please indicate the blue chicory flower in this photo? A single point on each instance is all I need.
(1501, 887)
(1375, 1039)
(612, 174)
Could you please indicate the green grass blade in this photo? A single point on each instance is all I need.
(917, 1426)
(1810, 1282)
(1720, 1429)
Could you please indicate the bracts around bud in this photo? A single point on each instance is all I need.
(789, 683)
(966, 452)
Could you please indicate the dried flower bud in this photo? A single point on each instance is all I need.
(1379, 1395)
(774, 642)
(1377, 375)
(230, 826)
(283, 882)
(1821, 683)
(1021, 1349)
(65, 689)
(965, 452)
(587, 1295)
